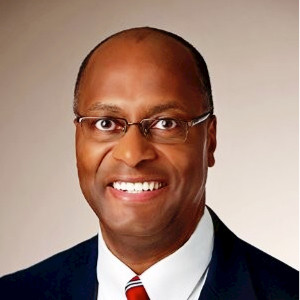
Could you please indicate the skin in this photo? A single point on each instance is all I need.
(137, 76)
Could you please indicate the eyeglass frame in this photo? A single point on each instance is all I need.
(145, 132)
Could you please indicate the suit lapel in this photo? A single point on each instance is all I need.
(228, 276)
(80, 281)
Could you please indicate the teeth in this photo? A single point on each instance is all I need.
(151, 185)
(130, 186)
(122, 186)
(145, 186)
(137, 187)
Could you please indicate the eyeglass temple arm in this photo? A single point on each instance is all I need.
(200, 119)
(77, 118)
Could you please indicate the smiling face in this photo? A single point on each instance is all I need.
(136, 187)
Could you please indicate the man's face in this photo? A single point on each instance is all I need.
(138, 80)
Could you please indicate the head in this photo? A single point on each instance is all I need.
(137, 74)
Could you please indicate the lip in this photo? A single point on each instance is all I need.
(141, 197)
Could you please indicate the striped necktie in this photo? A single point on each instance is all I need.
(135, 291)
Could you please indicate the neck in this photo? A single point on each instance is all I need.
(141, 252)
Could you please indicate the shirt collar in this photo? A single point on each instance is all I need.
(173, 277)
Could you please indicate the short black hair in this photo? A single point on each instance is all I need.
(199, 60)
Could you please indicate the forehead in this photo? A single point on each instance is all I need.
(144, 69)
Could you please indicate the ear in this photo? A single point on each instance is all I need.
(211, 140)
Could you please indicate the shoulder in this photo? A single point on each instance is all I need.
(269, 275)
(45, 278)
(238, 267)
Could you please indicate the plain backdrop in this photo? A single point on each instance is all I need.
(251, 48)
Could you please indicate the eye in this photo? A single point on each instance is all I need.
(107, 124)
(165, 124)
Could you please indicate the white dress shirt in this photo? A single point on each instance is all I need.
(179, 276)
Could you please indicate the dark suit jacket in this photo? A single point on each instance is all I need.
(238, 271)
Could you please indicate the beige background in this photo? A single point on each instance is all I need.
(251, 48)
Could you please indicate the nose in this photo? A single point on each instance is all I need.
(133, 148)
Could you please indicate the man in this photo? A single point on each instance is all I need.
(145, 137)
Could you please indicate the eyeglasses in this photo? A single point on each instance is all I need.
(158, 130)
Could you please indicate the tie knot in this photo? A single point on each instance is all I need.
(135, 290)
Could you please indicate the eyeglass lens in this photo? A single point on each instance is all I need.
(160, 131)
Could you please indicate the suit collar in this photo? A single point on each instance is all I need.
(228, 276)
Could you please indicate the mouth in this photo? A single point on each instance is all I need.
(137, 187)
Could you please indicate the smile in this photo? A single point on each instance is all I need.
(137, 187)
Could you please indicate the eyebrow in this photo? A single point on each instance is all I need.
(101, 106)
(165, 107)
(149, 111)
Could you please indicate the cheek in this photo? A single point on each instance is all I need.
(89, 157)
(188, 164)
(188, 159)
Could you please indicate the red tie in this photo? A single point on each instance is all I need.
(135, 291)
